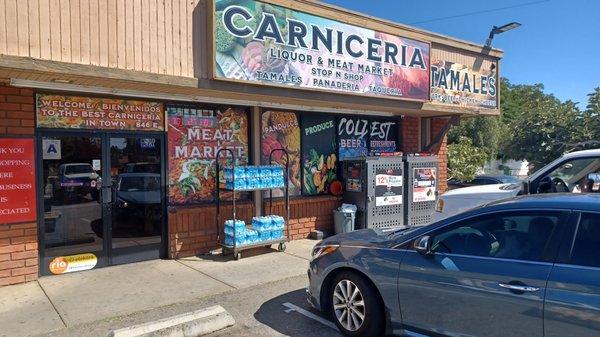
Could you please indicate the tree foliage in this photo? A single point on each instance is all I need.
(534, 125)
(464, 159)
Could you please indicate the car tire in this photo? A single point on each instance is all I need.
(365, 303)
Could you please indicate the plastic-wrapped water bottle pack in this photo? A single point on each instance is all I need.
(254, 177)
(264, 228)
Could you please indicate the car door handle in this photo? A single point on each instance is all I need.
(519, 287)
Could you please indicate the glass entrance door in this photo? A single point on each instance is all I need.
(137, 210)
(73, 222)
(103, 199)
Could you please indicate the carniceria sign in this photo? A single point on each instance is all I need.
(263, 43)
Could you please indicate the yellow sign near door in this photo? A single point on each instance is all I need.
(72, 263)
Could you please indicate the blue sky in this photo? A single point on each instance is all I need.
(557, 45)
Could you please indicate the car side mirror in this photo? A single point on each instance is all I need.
(423, 245)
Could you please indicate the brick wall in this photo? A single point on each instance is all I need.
(18, 242)
(441, 150)
(18, 253)
(16, 111)
(307, 214)
(410, 134)
(192, 230)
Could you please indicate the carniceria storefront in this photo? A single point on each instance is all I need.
(110, 125)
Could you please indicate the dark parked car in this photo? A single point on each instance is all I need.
(483, 179)
(528, 266)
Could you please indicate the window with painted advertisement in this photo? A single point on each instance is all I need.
(195, 135)
(317, 142)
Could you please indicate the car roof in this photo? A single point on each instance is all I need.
(583, 153)
(575, 201)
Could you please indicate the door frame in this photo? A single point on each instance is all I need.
(106, 258)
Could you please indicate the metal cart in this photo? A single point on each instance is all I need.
(236, 249)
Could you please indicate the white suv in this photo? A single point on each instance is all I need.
(575, 172)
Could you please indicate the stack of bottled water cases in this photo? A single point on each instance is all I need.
(269, 227)
(235, 230)
(264, 228)
(253, 177)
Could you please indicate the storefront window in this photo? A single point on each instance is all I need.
(319, 148)
(361, 136)
(281, 130)
(317, 143)
(195, 135)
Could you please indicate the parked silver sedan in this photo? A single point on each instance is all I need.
(529, 266)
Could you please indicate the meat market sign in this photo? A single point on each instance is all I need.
(262, 43)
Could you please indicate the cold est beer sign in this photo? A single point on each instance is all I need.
(262, 43)
(17, 180)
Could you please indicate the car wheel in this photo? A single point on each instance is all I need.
(355, 306)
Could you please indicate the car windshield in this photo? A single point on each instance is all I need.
(139, 183)
(78, 169)
(576, 169)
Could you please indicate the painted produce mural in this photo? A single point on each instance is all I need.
(281, 130)
(319, 160)
(193, 143)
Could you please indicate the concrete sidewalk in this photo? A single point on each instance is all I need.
(56, 303)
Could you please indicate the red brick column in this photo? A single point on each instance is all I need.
(441, 150)
(18, 253)
(18, 242)
(410, 135)
(16, 111)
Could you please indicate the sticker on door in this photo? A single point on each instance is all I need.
(72, 263)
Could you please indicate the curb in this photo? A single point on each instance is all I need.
(191, 324)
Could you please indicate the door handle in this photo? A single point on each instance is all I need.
(516, 287)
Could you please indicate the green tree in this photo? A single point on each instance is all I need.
(464, 159)
(485, 133)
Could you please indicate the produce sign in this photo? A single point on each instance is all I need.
(388, 187)
(424, 181)
(192, 151)
(319, 161)
(267, 44)
(281, 130)
(17, 180)
(457, 84)
(73, 112)
(359, 137)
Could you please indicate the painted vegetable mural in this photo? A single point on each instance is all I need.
(319, 168)
(280, 130)
(192, 148)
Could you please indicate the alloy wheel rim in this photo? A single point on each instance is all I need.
(348, 305)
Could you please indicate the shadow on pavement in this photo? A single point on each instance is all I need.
(273, 314)
(245, 254)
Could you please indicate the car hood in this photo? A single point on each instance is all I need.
(81, 176)
(360, 238)
(140, 197)
(485, 192)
